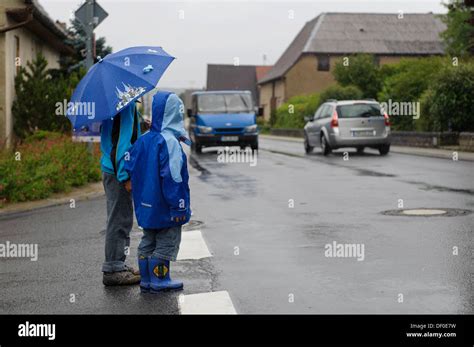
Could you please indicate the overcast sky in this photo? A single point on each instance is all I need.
(201, 32)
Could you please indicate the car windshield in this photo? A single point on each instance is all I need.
(225, 103)
(359, 111)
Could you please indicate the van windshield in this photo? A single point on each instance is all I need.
(359, 111)
(225, 103)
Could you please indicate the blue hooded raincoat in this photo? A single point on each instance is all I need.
(158, 168)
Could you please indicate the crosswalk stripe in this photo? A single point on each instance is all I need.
(193, 246)
(206, 303)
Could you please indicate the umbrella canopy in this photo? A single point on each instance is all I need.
(114, 82)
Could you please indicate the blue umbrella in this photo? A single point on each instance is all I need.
(114, 82)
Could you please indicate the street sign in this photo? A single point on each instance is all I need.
(98, 14)
(89, 134)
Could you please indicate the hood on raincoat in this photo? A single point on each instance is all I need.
(168, 115)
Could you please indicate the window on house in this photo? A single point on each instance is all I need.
(323, 62)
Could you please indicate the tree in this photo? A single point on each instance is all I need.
(341, 93)
(77, 40)
(37, 92)
(360, 71)
(450, 100)
(459, 34)
(406, 81)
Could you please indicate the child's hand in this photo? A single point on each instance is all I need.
(179, 219)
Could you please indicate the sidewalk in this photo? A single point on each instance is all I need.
(89, 191)
(420, 151)
(86, 192)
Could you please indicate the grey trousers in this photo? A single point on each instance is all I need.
(119, 224)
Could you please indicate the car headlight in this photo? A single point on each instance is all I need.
(251, 128)
(204, 130)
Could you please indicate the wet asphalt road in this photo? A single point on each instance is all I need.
(268, 256)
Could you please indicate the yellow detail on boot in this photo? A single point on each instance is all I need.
(160, 271)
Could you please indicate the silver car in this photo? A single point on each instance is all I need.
(349, 123)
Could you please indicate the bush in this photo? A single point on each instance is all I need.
(263, 126)
(291, 114)
(361, 72)
(341, 93)
(450, 101)
(45, 163)
(406, 81)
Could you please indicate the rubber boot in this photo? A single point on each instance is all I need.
(144, 274)
(160, 280)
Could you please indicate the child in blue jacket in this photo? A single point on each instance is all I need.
(159, 176)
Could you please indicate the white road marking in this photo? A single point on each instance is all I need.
(206, 303)
(193, 246)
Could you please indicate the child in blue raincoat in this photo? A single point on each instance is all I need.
(159, 176)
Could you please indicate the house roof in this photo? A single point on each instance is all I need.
(232, 77)
(42, 25)
(262, 71)
(375, 33)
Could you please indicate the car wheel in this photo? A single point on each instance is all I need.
(360, 150)
(307, 148)
(325, 148)
(384, 149)
(198, 149)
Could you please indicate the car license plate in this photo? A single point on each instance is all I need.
(229, 138)
(363, 133)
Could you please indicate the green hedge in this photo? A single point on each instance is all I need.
(291, 114)
(450, 101)
(407, 81)
(44, 164)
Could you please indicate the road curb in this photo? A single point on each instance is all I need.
(417, 151)
(90, 191)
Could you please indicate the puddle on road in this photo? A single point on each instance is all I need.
(430, 187)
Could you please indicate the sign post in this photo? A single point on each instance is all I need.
(90, 14)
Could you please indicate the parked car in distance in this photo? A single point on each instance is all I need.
(223, 118)
(349, 123)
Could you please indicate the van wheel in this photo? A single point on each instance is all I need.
(325, 148)
(307, 148)
(384, 149)
(254, 147)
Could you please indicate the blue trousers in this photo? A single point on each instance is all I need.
(160, 243)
